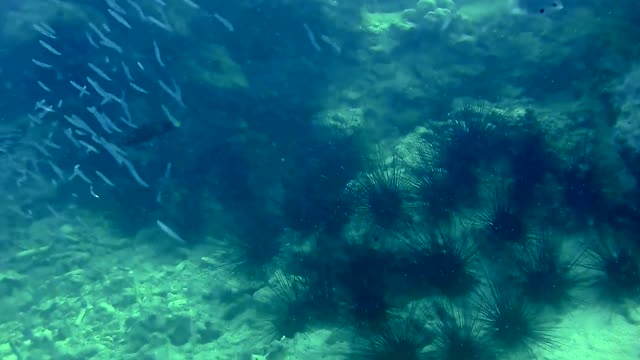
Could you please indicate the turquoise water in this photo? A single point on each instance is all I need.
(386, 180)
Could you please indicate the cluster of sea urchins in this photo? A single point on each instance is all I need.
(449, 224)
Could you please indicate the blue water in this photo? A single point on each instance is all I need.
(200, 179)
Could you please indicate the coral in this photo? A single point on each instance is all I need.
(379, 23)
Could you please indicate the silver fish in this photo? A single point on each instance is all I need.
(167, 230)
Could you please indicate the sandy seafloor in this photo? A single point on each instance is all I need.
(74, 291)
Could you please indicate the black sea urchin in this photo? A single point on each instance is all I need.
(383, 195)
(317, 267)
(546, 277)
(251, 250)
(512, 324)
(301, 302)
(459, 335)
(503, 223)
(295, 305)
(618, 269)
(363, 277)
(443, 260)
(472, 139)
(398, 339)
(436, 195)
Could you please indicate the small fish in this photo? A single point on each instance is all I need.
(191, 4)
(39, 104)
(91, 41)
(93, 193)
(170, 117)
(156, 50)
(99, 72)
(138, 88)
(56, 170)
(176, 94)
(49, 48)
(88, 147)
(104, 40)
(138, 8)
(82, 89)
(48, 28)
(105, 178)
(77, 172)
(226, 23)
(167, 230)
(133, 172)
(105, 95)
(44, 31)
(159, 23)
(43, 86)
(69, 134)
(114, 5)
(126, 70)
(525, 7)
(50, 143)
(329, 41)
(119, 18)
(41, 64)
(312, 37)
